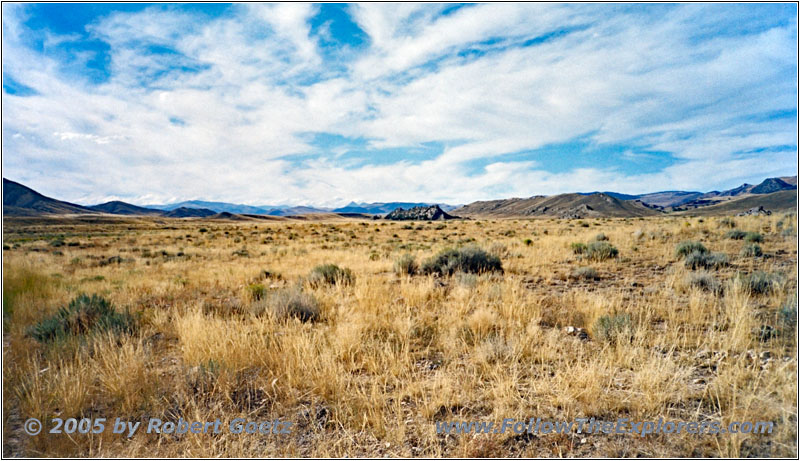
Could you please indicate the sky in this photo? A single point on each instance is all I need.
(324, 104)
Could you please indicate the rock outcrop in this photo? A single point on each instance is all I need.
(420, 213)
(756, 211)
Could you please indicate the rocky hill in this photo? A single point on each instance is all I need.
(420, 213)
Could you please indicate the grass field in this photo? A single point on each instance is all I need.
(228, 319)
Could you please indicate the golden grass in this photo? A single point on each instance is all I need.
(391, 354)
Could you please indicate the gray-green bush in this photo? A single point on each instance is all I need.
(688, 247)
(471, 260)
(751, 250)
(698, 260)
(753, 237)
(406, 265)
(330, 274)
(613, 328)
(735, 234)
(600, 251)
(83, 315)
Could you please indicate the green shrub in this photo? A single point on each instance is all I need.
(613, 328)
(727, 222)
(759, 282)
(330, 274)
(588, 273)
(601, 237)
(600, 251)
(471, 260)
(704, 281)
(753, 237)
(528, 242)
(406, 265)
(697, 260)
(688, 247)
(82, 316)
(578, 248)
(290, 303)
(256, 291)
(735, 234)
(787, 315)
(752, 250)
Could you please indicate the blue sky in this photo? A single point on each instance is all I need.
(323, 104)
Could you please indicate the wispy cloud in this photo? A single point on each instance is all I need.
(241, 103)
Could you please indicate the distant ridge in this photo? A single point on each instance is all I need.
(383, 208)
(560, 206)
(122, 208)
(773, 194)
(186, 212)
(19, 200)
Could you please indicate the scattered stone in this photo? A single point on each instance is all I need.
(756, 211)
(579, 332)
(766, 332)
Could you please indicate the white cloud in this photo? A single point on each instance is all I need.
(231, 128)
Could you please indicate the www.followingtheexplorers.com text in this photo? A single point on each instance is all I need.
(596, 426)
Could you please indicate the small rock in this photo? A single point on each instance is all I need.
(704, 354)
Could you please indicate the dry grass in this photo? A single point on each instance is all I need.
(392, 352)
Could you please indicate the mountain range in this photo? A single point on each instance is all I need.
(772, 193)
(286, 210)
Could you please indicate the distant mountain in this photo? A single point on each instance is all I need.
(767, 186)
(218, 207)
(420, 213)
(19, 200)
(189, 212)
(296, 210)
(683, 199)
(559, 206)
(383, 208)
(771, 185)
(613, 194)
(122, 208)
(785, 200)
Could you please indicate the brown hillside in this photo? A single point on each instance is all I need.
(559, 206)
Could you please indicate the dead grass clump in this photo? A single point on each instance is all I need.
(586, 273)
(290, 303)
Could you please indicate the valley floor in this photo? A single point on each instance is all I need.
(226, 320)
